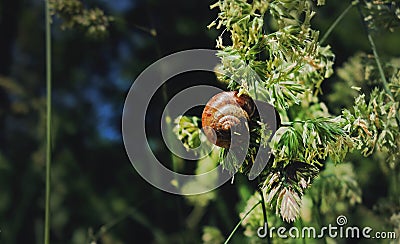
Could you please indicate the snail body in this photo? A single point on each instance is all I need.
(224, 112)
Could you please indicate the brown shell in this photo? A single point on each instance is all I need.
(224, 111)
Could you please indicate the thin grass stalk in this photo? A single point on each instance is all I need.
(48, 124)
(240, 222)
(336, 22)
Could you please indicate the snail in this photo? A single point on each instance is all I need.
(224, 112)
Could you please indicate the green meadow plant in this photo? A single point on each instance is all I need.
(272, 49)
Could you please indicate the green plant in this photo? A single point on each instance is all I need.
(73, 13)
(283, 62)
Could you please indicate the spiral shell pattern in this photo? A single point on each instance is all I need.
(222, 113)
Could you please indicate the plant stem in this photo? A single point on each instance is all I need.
(240, 222)
(48, 124)
(336, 22)
(265, 216)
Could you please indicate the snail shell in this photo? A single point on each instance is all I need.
(222, 113)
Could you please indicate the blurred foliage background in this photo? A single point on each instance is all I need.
(97, 196)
